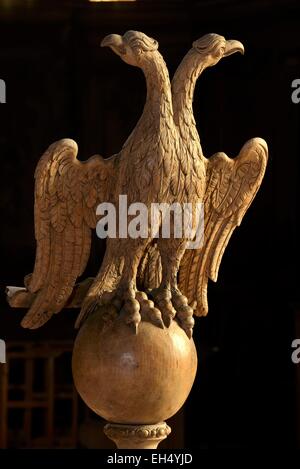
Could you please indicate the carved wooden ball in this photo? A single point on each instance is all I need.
(134, 379)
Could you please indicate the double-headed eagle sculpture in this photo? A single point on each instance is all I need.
(144, 278)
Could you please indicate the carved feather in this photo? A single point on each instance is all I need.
(231, 187)
(67, 193)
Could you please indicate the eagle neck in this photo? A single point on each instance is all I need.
(159, 99)
(183, 87)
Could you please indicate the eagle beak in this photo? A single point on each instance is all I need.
(115, 42)
(233, 46)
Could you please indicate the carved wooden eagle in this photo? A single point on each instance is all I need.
(149, 278)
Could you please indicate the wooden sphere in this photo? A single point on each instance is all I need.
(129, 378)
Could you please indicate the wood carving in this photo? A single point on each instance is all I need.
(153, 279)
(161, 161)
(145, 437)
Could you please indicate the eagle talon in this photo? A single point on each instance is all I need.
(135, 328)
(162, 297)
(186, 321)
(173, 304)
(141, 308)
(148, 311)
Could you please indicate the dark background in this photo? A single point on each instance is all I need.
(60, 83)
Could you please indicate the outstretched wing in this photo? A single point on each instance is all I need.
(231, 187)
(67, 193)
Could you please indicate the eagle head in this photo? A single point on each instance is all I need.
(214, 47)
(132, 47)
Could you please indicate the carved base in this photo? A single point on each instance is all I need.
(133, 380)
(137, 436)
